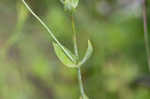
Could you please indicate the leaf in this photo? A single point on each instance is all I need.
(74, 57)
(63, 57)
(87, 54)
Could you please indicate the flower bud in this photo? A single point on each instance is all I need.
(70, 5)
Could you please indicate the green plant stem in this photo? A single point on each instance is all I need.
(81, 83)
(146, 40)
(74, 37)
(77, 54)
(61, 46)
(49, 31)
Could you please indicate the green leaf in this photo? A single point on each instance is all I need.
(87, 54)
(63, 57)
(74, 57)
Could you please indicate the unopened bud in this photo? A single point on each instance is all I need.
(70, 5)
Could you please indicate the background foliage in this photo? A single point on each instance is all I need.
(29, 68)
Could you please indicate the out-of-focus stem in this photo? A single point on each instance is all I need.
(21, 18)
(146, 40)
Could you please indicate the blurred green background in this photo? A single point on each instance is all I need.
(29, 68)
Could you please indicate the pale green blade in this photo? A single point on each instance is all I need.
(63, 57)
(87, 54)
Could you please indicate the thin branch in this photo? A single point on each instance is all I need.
(146, 40)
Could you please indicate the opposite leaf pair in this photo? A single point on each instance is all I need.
(69, 62)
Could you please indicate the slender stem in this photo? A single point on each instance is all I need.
(146, 40)
(81, 83)
(75, 36)
(49, 31)
(77, 54)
